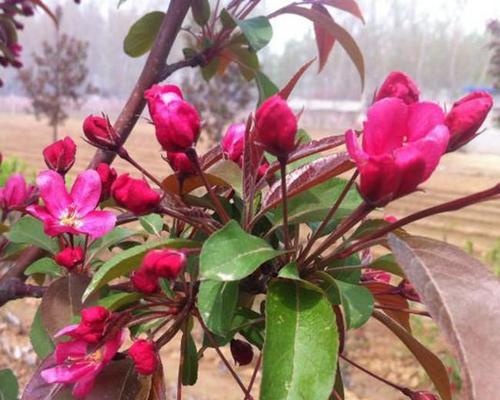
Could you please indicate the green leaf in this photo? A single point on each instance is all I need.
(152, 223)
(120, 2)
(116, 301)
(265, 86)
(231, 254)
(45, 266)
(229, 172)
(357, 302)
(40, 339)
(387, 263)
(190, 366)
(142, 33)
(113, 238)
(9, 388)
(248, 61)
(201, 11)
(290, 271)
(208, 71)
(217, 303)
(258, 31)
(301, 346)
(125, 262)
(29, 230)
(227, 19)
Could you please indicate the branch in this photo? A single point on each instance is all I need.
(152, 72)
(14, 288)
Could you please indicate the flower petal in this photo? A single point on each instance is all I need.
(111, 346)
(433, 146)
(67, 373)
(97, 223)
(83, 387)
(353, 147)
(422, 118)
(86, 192)
(53, 193)
(73, 349)
(67, 330)
(385, 127)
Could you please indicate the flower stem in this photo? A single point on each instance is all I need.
(284, 201)
(193, 156)
(124, 155)
(254, 375)
(212, 340)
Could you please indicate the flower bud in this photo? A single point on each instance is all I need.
(92, 325)
(99, 132)
(407, 290)
(60, 155)
(181, 164)
(143, 354)
(177, 122)
(466, 117)
(233, 142)
(16, 194)
(69, 258)
(264, 166)
(375, 275)
(145, 280)
(108, 176)
(241, 351)
(423, 396)
(398, 84)
(276, 126)
(134, 194)
(166, 263)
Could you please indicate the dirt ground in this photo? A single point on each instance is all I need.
(476, 228)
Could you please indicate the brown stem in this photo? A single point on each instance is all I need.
(14, 288)
(126, 156)
(153, 70)
(254, 375)
(284, 202)
(405, 310)
(224, 360)
(193, 156)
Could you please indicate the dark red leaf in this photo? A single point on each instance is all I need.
(428, 360)
(381, 293)
(324, 39)
(344, 38)
(308, 149)
(463, 297)
(285, 92)
(307, 176)
(349, 6)
(63, 300)
(158, 390)
(211, 157)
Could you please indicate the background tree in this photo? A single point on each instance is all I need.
(58, 78)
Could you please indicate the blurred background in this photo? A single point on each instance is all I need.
(447, 46)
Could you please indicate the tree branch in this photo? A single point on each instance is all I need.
(14, 288)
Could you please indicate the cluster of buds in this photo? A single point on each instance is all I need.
(157, 264)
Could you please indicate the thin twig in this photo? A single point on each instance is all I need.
(254, 375)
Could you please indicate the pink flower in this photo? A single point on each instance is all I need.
(144, 355)
(402, 146)
(79, 364)
(69, 257)
(276, 126)
(92, 325)
(466, 117)
(72, 212)
(16, 194)
(233, 142)
(60, 155)
(398, 84)
(176, 121)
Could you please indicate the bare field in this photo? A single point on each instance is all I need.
(459, 174)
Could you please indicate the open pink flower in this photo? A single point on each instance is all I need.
(402, 146)
(79, 364)
(72, 212)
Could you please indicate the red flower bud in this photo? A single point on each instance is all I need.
(176, 121)
(166, 263)
(264, 166)
(181, 164)
(99, 132)
(145, 280)
(143, 354)
(390, 218)
(16, 194)
(407, 290)
(92, 325)
(60, 155)
(402, 146)
(134, 194)
(423, 396)
(69, 258)
(466, 117)
(398, 84)
(276, 126)
(241, 351)
(375, 275)
(233, 142)
(108, 176)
